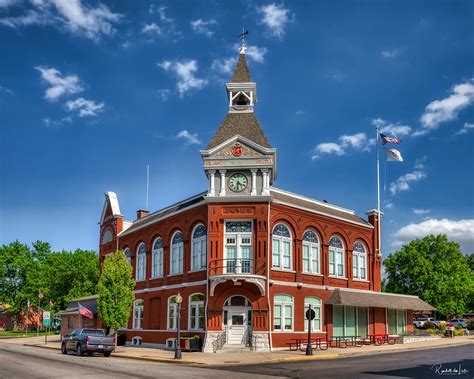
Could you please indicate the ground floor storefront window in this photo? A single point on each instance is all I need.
(396, 321)
(350, 321)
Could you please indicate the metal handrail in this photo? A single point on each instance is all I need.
(235, 266)
(220, 341)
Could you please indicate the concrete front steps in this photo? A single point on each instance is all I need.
(231, 348)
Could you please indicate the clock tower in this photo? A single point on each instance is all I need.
(239, 161)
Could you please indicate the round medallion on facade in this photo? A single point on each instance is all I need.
(237, 150)
(238, 182)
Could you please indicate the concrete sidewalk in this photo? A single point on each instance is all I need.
(251, 357)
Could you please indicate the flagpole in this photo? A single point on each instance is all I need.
(378, 191)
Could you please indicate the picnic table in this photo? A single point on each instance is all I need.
(380, 339)
(345, 341)
(298, 343)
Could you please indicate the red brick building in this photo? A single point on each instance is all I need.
(248, 258)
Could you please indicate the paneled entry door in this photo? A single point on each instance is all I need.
(237, 324)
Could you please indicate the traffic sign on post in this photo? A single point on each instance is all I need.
(46, 318)
(310, 314)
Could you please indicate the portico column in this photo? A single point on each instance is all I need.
(222, 192)
(265, 190)
(212, 190)
(254, 182)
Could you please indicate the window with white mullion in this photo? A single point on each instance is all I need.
(141, 263)
(336, 258)
(311, 253)
(316, 307)
(196, 312)
(176, 261)
(281, 247)
(283, 313)
(138, 306)
(359, 261)
(199, 248)
(172, 313)
(157, 259)
(238, 247)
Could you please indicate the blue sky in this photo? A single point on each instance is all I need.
(91, 92)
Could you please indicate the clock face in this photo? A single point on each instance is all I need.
(238, 182)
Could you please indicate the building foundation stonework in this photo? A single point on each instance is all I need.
(247, 258)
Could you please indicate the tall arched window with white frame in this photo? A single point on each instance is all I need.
(138, 307)
(359, 261)
(336, 257)
(316, 307)
(141, 263)
(157, 259)
(172, 313)
(311, 255)
(281, 247)
(196, 311)
(128, 255)
(199, 248)
(176, 261)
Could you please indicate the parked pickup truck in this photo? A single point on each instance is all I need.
(88, 341)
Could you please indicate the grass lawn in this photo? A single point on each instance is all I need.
(21, 333)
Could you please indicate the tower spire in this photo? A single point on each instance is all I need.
(243, 46)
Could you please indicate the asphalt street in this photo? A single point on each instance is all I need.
(457, 361)
(18, 361)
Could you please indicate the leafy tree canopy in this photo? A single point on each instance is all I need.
(60, 276)
(434, 269)
(115, 291)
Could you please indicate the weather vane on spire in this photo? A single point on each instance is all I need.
(243, 47)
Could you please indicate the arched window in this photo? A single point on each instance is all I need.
(359, 261)
(281, 247)
(311, 259)
(196, 311)
(141, 263)
(128, 255)
(138, 306)
(157, 259)
(176, 261)
(316, 307)
(336, 257)
(283, 313)
(172, 313)
(199, 248)
(107, 236)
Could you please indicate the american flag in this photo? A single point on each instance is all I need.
(386, 139)
(85, 311)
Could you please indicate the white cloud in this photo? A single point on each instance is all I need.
(50, 123)
(389, 205)
(275, 18)
(59, 84)
(72, 15)
(203, 27)
(85, 107)
(163, 93)
(256, 53)
(447, 109)
(185, 70)
(224, 66)
(190, 139)
(299, 113)
(418, 211)
(152, 28)
(167, 24)
(393, 129)
(402, 183)
(7, 3)
(466, 128)
(390, 53)
(358, 141)
(6, 90)
(459, 231)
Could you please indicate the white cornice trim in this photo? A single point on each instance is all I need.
(172, 286)
(256, 146)
(238, 199)
(322, 213)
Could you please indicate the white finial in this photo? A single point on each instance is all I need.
(243, 46)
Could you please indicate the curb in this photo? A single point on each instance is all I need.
(304, 358)
(161, 360)
(42, 346)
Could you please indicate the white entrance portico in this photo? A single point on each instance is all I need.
(237, 316)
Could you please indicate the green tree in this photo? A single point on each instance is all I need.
(434, 269)
(115, 291)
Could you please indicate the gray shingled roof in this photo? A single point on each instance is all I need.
(241, 73)
(319, 208)
(164, 212)
(378, 299)
(244, 124)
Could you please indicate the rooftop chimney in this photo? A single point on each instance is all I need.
(142, 213)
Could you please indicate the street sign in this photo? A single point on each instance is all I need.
(310, 314)
(46, 318)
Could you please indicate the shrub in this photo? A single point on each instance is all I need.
(429, 325)
(430, 331)
(442, 327)
(470, 324)
(459, 332)
(458, 327)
